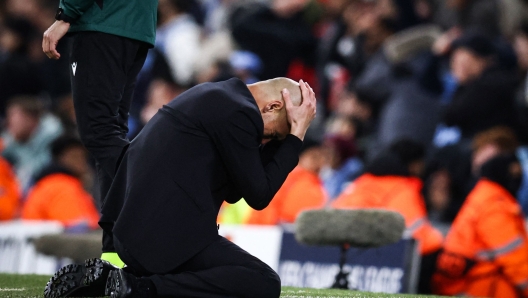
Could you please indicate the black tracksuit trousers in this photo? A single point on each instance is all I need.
(222, 269)
(103, 70)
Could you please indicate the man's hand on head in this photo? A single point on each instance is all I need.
(51, 38)
(302, 115)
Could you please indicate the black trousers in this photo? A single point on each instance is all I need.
(103, 70)
(222, 269)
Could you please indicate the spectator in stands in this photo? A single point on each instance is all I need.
(447, 183)
(215, 15)
(477, 14)
(302, 190)
(454, 172)
(490, 143)
(18, 74)
(485, 94)
(29, 132)
(373, 29)
(9, 192)
(486, 251)
(521, 49)
(340, 52)
(495, 141)
(385, 92)
(161, 90)
(53, 74)
(345, 127)
(215, 62)
(170, 66)
(356, 37)
(245, 65)
(468, 15)
(521, 103)
(391, 182)
(358, 106)
(58, 193)
(343, 164)
(276, 32)
(178, 39)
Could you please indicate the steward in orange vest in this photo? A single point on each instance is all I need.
(302, 190)
(486, 251)
(396, 193)
(9, 192)
(58, 193)
(391, 182)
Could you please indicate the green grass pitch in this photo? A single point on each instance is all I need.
(24, 286)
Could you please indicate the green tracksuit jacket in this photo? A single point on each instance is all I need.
(135, 19)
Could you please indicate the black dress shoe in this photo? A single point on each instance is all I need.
(80, 280)
(121, 284)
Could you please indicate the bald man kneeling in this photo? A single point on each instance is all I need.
(204, 147)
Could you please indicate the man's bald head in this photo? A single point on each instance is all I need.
(270, 101)
(270, 90)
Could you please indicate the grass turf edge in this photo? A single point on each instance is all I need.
(24, 286)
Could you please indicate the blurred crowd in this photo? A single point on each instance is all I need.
(415, 99)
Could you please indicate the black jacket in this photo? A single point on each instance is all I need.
(483, 103)
(199, 150)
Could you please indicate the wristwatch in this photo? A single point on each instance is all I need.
(61, 16)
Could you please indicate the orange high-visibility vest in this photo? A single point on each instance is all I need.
(9, 192)
(301, 190)
(61, 197)
(486, 250)
(395, 193)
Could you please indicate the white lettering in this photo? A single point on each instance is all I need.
(320, 275)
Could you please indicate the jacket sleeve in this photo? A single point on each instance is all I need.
(267, 152)
(76, 8)
(412, 207)
(238, 144)
(506, 246)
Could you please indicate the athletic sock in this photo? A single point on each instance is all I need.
(113, 259)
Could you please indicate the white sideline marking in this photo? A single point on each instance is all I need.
(12, 289)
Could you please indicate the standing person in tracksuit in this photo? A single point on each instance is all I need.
(110, 43)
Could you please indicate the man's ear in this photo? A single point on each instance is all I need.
(274, 106)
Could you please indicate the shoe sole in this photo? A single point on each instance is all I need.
(79, 280)
(113, 285)
(110, 284)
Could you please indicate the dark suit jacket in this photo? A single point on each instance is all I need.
(199, 150)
